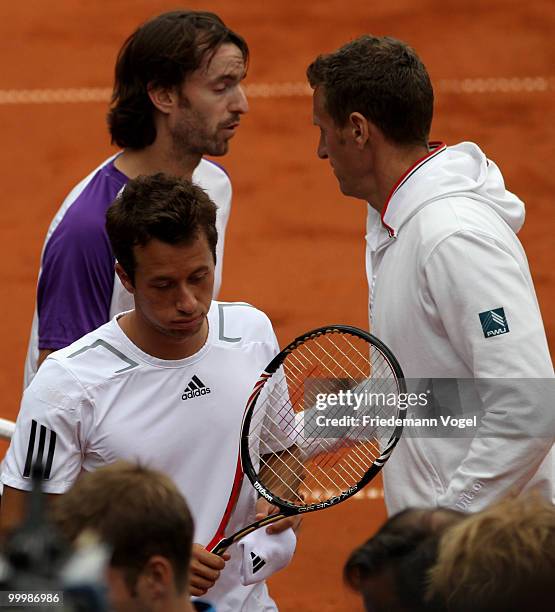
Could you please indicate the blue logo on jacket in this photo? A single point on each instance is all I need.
(494, 322)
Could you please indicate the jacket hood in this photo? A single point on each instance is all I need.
(461, 170)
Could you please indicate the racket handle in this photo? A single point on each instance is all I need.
(222, 546)
(225, 543)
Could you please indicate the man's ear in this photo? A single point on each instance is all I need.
(164, 99)
(124, 278)
(156, 580)
(360, 129)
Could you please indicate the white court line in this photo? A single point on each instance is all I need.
(497, 85)
(75, 95)
(55, 96)
(369, 493)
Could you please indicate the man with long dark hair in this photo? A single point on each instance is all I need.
(177, 96)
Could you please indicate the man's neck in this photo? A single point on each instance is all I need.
(181, 603)
(155, 158)
(390, 164)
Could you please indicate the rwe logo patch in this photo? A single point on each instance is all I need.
(494, 322)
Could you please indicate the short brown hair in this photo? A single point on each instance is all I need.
(167, 208)
(138, 512)
(162, 53)
(383, 79)
(498, 560)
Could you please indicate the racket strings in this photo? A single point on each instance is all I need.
(293, 400)
(289, 461)
(287, 483)
(295, 468)
(325, 458)
(339, 365)
(322, 464)
(297, 392)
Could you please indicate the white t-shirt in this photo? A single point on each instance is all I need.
(103, 399)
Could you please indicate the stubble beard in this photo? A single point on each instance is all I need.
(193, 137)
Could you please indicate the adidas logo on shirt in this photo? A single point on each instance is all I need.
(195, 388)
(257, 562)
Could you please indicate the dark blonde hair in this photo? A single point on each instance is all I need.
(138, 512)
(501, 559)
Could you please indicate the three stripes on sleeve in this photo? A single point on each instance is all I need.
(40, 450)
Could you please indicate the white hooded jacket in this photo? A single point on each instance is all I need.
(445, 251)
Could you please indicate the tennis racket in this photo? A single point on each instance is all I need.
(321, 422)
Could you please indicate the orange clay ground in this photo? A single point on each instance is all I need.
(295, 246)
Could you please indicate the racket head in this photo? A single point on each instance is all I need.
(330, 469)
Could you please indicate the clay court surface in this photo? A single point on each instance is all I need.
(295, 246)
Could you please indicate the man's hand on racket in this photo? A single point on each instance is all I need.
(205, 569)
(264, 508)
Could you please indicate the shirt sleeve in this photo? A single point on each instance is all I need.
(468, 276)
(48, 429)
(222, 217)
(76, 283)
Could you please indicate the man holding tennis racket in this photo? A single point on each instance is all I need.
(450, 288)
(165, 385)
(177, 96)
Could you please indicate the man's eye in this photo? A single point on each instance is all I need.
(199, 277)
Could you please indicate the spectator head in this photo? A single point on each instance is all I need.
(499, 560)
(142, 517)
(390, 569)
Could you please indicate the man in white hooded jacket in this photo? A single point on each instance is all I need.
(450, 288)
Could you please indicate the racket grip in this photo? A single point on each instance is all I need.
(225, 543)
(222, 546)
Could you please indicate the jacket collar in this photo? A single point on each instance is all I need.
(393, 214)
